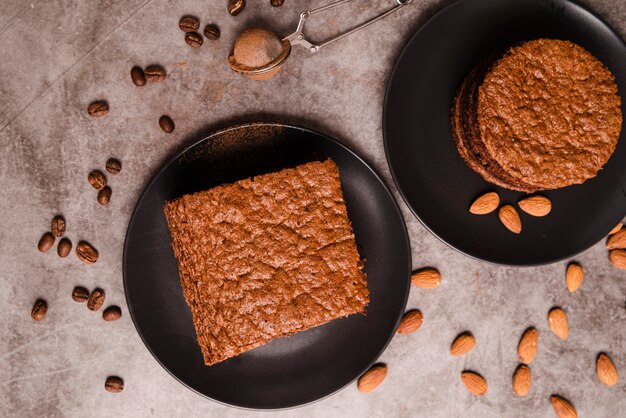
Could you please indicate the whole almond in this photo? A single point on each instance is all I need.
(617, 240)
(536, 205)
(521, 380)
(372, 378)
(462, 344)
(574, 277)
(557, 319)
(485, 204)
(474, 382)
(618, 258)
(607, 372)
(616, 228)
(562, 407)
(527, 347)
(509, 218)
(426, 278)
(411, 322)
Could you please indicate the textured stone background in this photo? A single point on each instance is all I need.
(58, 55)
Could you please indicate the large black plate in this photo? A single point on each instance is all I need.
(289, 371)
(432, 177)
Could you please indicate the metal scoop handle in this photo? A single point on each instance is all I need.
(298, 38)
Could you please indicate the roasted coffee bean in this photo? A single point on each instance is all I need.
(64, 248)
(40, 308)
(112, 313)
(189, 23)
(277, 3)
(46, 242)
(138, 77)
(236, 6)
(104, 196)
(114, 384)
(166, 123)
(155, 73)
(86, 253)
(80, 294)
(97, 179)
(97, 109)
(96, 300)
(193, 39)
(57, 226)
(113, 166)
(212, 32)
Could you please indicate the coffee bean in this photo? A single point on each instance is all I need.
(64, 248)
(193, 39)
(166, 123)
(236, 6)
(40, 308)
(114, 384)
(96, 300)
(113, 166)
(80, 294)
(277, 3)
(112, 313)
(97, 179)
(189, 23)
(155, 73)
(104, 196)
(46, 242)
(98, 108)
(138, 77)
(86, 253)
(212, 32)
(58, 226)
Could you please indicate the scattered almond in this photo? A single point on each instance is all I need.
(616, 228)
(527, 347)
(606, 370)
(474, 382)
(562, 407)
(462, 344)
(426, 278)
(521, 380)
(509, 218)
(536, 205)
(372, 378)
(618, 258)
(485, 204)
(574, 277)
(411, 322)
(617, 240)
(558, 323)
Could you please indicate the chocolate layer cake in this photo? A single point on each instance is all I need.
(266, 257)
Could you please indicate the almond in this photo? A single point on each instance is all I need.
(410, 322)
(474, 382)
(426, 278)
(509, 217)
(562, 407)
(574, 276)
(536, 205)
(606, 370)
(372, 378)
(616, 228)
(521, 380)
(558, 323)
(527, 347)
(485, 204)
(462, 344)
(617, 240)
(618, 258)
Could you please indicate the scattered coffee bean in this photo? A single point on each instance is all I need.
(166, 123)
(64, 248)
(46, 242)
(113, 166)
(86, 253)
(277, 3)
(58, 226)
(212, 32)
(189, 23)
(112, 313)
(40, 308)
(96, 300)
(193, 39)
(155, 73)
(98, 108)
(104, 196)
(138, 77)
(114, 384)
(80, 294)
(97, 179)
(236, 6)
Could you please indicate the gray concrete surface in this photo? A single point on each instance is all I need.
(57, 56)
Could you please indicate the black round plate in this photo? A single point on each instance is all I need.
(432, 177)
(289, 371)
